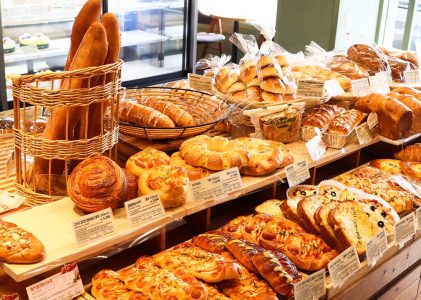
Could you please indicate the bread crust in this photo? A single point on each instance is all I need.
(271, 97)
(306, 209)
(374, 61)
(142, 115)
(410, 153)
(273, 85)
(391, 166)
(344, 123)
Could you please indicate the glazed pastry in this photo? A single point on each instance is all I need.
(97, 183)
(368, 57)
(145, 160)
(344, 123)
(320, 116)
(193, 172)
(170, 182)
(410, 153)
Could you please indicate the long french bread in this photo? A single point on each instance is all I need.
(92, 52)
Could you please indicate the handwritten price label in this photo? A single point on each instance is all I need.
(297, 173)
(376, 247)
(311, 287)
(405, 229)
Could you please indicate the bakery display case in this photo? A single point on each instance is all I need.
(155, 38)
(252, 181)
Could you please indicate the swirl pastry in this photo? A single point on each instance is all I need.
(97, 183)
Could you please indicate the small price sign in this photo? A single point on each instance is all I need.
(313, 286)
(363, 133)
(297, 173)
(311, 88)
(360, 87)
(405, 229)
(93, 226)
(412, 77)
(144, 209)
(376, 247)
(344, 266)
(316, 146)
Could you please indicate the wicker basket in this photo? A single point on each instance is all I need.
(207, 110)
(101, 87)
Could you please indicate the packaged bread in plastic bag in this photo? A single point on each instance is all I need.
(336, 62)
(273, 71)
(248, 70)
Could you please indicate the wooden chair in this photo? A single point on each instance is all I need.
(212, 36)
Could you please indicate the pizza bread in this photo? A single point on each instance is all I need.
(170, 182)
(388, 165)
(306, 209)
(106, 285)
(18, 246)
(146, 160)
(378, 214)
(307, 251)
(352, 226)
(301, 191)
(209, 267)
(330, 191)
(326, 231)
(270, 207)
(412, 169)
(214, 293)
(275, 233)
(249, 227)
(264, 156)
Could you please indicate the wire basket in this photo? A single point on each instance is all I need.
(206, 109)
(75, 103)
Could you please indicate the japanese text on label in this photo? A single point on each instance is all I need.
(376, 247)
(316, 147)
(310, 88)
(363, 133)
(412, 77)
(297, 173)
(144, 209)
(59, 286)
(94, 226)
(216, 185)
(418, 217)
(360, 87)
(344, 266)
(405, 229)
(311, 286)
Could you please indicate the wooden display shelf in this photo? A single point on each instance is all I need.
(400, 142)
(52, 224)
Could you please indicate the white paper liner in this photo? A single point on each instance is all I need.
(307, 133)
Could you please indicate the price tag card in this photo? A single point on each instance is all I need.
(344, 266)
(316, 147)
(297, 173)
(311, 88)
(144, 209)
(418, 217)
(333, 88)
(93, 226)
(363, 133)
(311, 287)
(386, 77)
(360, 87)
(200, 83)
(376, 247)
(216, 185)
(405, 229)
(65, 285)
(377, 85)
(412, 77)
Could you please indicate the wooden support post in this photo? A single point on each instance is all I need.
(200, 221)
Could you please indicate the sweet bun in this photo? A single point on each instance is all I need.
(248, 71)
(170, 182)
(270, 71)
(240, 94)
(273, 85)
(271, 97)
(253, 82)
(217, 153)
(226, 80)
(282, 60)
(146, 160)
(236, 87)
(97, 183)
(253, 93)
(265, 61)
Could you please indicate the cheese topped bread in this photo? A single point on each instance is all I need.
(391, 166)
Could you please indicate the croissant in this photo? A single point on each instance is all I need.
(97, 183)
(410, 153)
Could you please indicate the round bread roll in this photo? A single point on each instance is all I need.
(193, 172)
(217, 153)
(265, 61)
(97, 183)
(273, 85)
(253, 82)
(265, 156)
(170, 182)
(271, 97)
(225, 79)
(236, 87)
(240, 94)
(272, 71)
(282, 60)
(146, 160)
(253, 93)
(248, 71)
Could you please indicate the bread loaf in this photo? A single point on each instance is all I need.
(398, 66)
(91, 52)
(320, 116)
(144, 116)
(368, 57)
(90, 12)
(395, 118)
(413, 104)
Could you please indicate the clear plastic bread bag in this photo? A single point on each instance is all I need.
(211, 64)
(336, 61)
(273, 69)
(248, 70)
(227, 81)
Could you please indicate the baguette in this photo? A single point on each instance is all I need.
(179, 116)
(144, 116)
(89, 13)
(91, 52)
